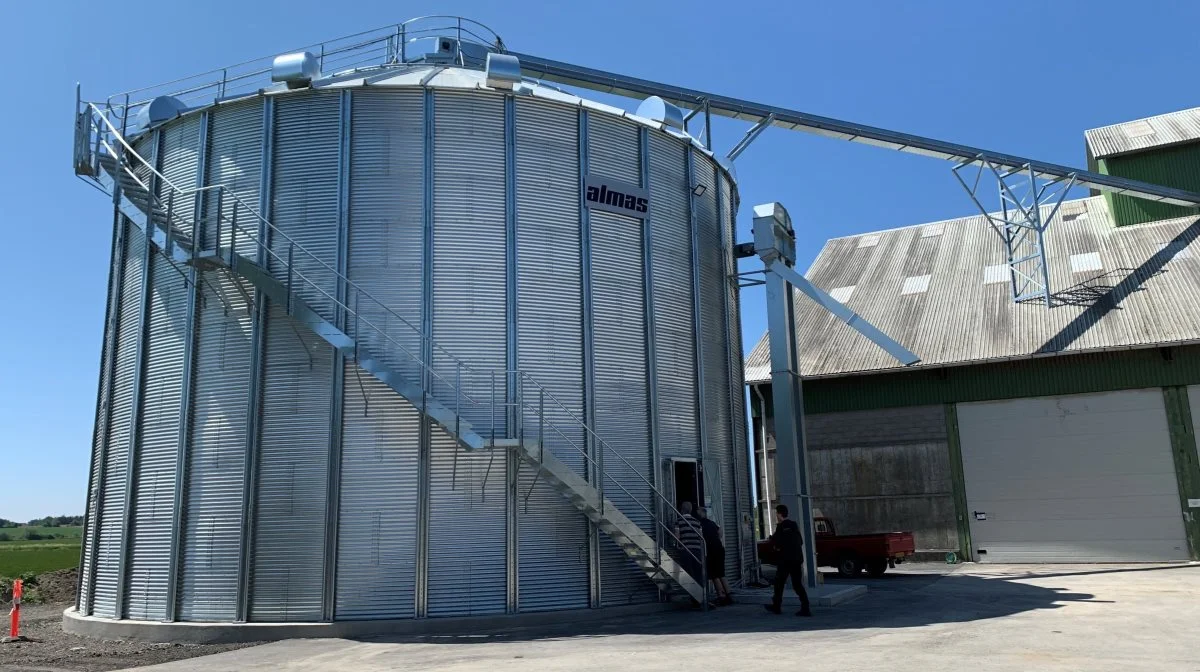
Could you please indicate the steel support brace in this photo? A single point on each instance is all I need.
(100, 433)
(589, 360)
(697, 326)
(651, 330)
(1021, 224)
(139, 392)
(338, 382)
(254, 386)
(751, 135)
(184, 435)
(425, 439)
(512, 463)
(791, 455)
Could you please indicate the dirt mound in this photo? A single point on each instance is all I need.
(56, 586)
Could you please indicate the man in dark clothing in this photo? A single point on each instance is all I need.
(789, 547)
(714, 561)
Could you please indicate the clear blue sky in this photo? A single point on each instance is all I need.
(954, 70)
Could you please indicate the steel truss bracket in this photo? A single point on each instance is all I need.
(1029, 200)
(750, 136)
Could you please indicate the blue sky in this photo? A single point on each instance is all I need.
(1024, 77)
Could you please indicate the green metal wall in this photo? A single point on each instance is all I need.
(1063, 374)
(1177, 166)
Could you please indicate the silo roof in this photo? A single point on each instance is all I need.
(941, 289)
(1142, 134)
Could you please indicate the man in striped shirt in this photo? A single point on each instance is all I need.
(691, 536)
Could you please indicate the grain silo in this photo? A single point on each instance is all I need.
(395, 333)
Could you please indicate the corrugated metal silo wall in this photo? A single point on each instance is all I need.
(377, 528)
(212, 526)
(103, 400)
(719, 473)
(553, 536)
(1177, 167)
(293, 452)
(109, 525)
(467, 512)
(154, 477)
(743, 534)
(621, 389)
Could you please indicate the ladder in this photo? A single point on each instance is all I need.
(146, 198)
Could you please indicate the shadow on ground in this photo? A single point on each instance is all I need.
(899, 600)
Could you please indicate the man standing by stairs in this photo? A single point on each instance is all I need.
(789, 547)
(691, 537)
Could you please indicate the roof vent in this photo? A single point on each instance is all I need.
(162, 108)
(659, 110)
(296, 70)
(503, 71)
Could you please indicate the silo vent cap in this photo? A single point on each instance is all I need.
(657, 109)
(162, 108)
(296, 70)
(503, 71)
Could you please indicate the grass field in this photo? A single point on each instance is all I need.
(17, 558)
(23, 556)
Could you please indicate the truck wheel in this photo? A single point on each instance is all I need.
(849, 566)
(877, 567)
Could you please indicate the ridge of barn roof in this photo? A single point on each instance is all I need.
(1172, 128)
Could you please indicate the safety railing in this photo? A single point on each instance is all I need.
(380, 47)
(280, 255)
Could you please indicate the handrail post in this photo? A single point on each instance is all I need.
(291, 248)
(220, 206)
(170, 208)
(542, 425)
(403, 43)
(233, 230)
(492, 404)
(457, 401)
(224, 77)
(357, 333)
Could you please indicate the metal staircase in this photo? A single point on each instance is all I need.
(153, 204)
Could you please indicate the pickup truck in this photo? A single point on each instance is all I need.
(851, 554)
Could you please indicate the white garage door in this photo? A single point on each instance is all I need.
(1080, 478)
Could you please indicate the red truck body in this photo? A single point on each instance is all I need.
(850, 554)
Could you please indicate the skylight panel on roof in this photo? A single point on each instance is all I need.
(1138, 129)
(917, 284)
(1089, 261)
(932, 230)
(842, 294)
(995, 274)
(870, 240)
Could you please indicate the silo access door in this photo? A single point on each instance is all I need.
(683, 482)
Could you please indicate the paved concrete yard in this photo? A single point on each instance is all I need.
(978, 617)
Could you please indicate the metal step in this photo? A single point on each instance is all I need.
(641, 548)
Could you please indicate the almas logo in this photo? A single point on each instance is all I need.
(609, 197)
(615, 196)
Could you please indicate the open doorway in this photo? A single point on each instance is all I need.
(687, 484)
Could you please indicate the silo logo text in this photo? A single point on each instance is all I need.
(622, 198)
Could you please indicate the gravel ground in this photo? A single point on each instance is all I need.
(53, 649)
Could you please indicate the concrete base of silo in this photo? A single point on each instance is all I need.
(229, 633)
